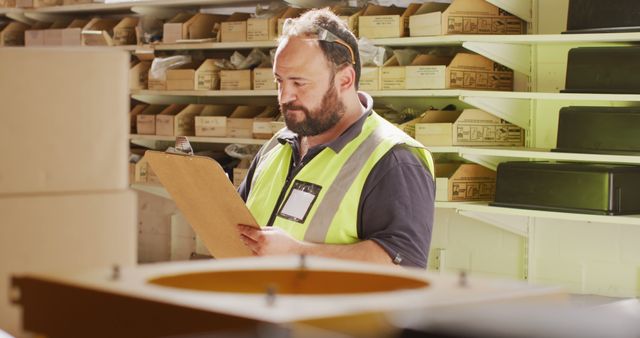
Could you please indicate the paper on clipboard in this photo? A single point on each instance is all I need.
(208, 200)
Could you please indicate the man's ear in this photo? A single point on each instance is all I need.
(346, 78)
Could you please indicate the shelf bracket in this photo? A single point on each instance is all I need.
(519, 8)
(512, 55)
(47, 17)
(516, 111)
(165, 13)
(20, 17)
(490, 162)
(515, 224)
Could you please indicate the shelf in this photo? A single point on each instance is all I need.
(200, 139)
(443, 40)
(215, 45)
(207, 93)
(453, 93)
(522, 39)
(128, 5)
(491, 157)
(466, 208)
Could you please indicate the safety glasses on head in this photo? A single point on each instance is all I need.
(323, 35)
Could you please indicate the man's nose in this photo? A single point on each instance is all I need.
(286, 93)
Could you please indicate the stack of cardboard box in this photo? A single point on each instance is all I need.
(63, 182)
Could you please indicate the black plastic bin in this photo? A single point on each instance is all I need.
(599, 130)
(612, 70)
(588, 188)
(603, 16)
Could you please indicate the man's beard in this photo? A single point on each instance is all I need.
(317, 121)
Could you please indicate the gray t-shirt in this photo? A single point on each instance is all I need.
(397, 203)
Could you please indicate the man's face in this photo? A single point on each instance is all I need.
(307, 93)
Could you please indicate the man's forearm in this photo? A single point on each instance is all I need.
(367, 251)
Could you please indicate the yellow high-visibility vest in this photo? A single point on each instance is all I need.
(337, 180)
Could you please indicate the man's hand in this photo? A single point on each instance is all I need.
(269, 241)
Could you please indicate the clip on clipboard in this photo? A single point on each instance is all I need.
(206, 197)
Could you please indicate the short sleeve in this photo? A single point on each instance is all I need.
(397, 206)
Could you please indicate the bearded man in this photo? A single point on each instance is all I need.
(339, 181)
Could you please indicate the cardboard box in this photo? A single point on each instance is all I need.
(70, 35)
(65, 131)
(465, 70)
(263, 79)
(212, 121)
(289, 13)
(471, 127)
(392, 75)
(235, 79)
(7, 3)
(146, 120)
(240, 122)
(234, 29)
(176, 29)
(178, 120)
(207, 76)
(139, 75)
(24, 3)
(181, 79)
(159, 79)
(35, 35)
(240, 172)
(76, 2)
(98, 32)
(12, 34)
(385, 22)
(144, 173)
(457, 182)
(473, 71)
(124, 33)
(165, 120)
(186, 26)
(46, 3)
(369, 78)
(464, 17)
(427, 72)
(135, 111)
(262, 123)
(63, 233)
(350, 16)
(263, 29)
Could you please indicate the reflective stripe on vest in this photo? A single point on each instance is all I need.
(333, 216)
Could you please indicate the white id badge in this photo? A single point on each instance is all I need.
(299, 202)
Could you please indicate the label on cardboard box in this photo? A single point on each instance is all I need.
(234, 31)
(235, 79)
(458, 24)
(262, 127)
(211, 126)
(425, 77)
(146, 124)
(258, 29)
(240, 128)
(263, 79)
(488, 133)
(392, 78)
(208, 80)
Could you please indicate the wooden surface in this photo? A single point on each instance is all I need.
(207, 199)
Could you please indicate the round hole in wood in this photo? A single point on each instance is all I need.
(291, 282)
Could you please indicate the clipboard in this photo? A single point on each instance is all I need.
(208, 200)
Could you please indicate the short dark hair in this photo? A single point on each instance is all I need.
(308, 24)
